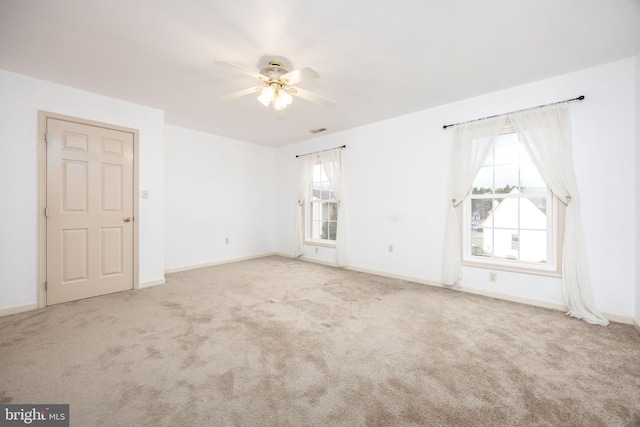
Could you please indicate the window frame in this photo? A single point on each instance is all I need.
(307, 208)
(555, 213)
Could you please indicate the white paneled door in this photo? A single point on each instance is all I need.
(89, 211)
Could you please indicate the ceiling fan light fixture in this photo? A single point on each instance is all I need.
(284, 97)
(277, 94)
(267, 95)
(264, 101)
(280, 102)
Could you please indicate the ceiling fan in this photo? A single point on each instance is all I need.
(277, 85)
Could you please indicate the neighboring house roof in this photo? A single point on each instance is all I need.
(317, 194)
(508, 207)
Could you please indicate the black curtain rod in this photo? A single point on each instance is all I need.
(321, 151)
(580, 98)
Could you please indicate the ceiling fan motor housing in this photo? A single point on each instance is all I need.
(273, 71)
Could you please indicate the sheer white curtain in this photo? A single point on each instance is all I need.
(546, 133)
(305, 173)
(472, 144)
(332, 165)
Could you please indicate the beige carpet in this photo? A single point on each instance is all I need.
(280, 342)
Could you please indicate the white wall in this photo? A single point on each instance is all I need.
(216, 188)
(397, 171)
(21, 99)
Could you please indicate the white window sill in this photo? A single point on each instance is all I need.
(320, 243)
(518, 268)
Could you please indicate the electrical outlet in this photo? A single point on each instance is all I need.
(316, 249)
(493, 276)
(226, 240)
(390, 249)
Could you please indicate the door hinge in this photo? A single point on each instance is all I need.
(46, 211)
(46, 285)
(46, 138)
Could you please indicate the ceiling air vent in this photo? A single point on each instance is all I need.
(317, 130)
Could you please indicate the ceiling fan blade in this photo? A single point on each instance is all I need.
(313, 97)
(296, 76)
(243, 70)
(241, 93)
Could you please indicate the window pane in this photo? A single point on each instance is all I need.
(333, 211)
(507, 149)
(506, 178)
(323, 220)
(477, 241)
(484, 181)
(329, 229)
(524, 154)
(315, 211)
(533, 246)
(485, 242)
(489, 160)
(316, 229)
(505, 213)
(478, 250)
(530, 179)
(316, 186)
(480, 209)
(322, 191)
(502, 244)
(325, 211)
(533, 213)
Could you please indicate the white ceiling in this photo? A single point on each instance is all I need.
(378, 59)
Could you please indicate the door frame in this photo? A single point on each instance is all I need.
(42, 195)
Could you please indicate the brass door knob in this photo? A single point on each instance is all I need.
(127, 219)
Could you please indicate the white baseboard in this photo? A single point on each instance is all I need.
(636, 324)
(514, 298)
(282, 254)
(395, 276)
(614, 317)
(317, 261)
(220, 262)
(151, 283)
(617, 317)
(467, 289)
(307, 259)
(6, 311)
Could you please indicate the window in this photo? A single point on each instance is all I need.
(510, 214)
(322, 209)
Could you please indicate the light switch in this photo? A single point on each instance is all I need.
(145, 194)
